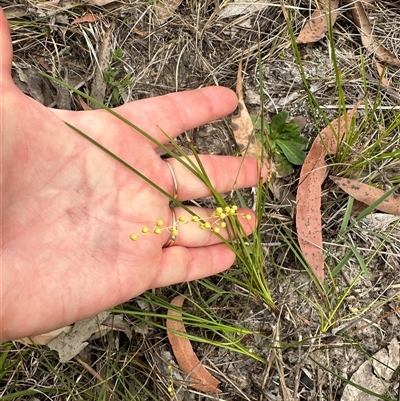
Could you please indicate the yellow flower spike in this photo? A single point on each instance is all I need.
(182, 219)
(195, 219)
(222, 224)
(159, 223)
(157, 230)
(207, 225)
(174, 233)
(145, 230)
(216, 230)
(134, 237)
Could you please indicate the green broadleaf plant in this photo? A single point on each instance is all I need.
(281, 138)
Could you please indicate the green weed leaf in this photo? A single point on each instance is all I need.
(292, 152)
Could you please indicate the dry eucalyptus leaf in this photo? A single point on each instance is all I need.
(184, 354)
(70, 345)
(368, 194)
(316, 28)
(374, 374)
(368, 38)
(165, 9)
(242, 126)
(312, 175)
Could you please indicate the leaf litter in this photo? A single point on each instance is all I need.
(308, 198)
(187, 360)
(368, 194)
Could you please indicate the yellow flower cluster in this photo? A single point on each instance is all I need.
(217, 221)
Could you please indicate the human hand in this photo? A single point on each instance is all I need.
(68, 208)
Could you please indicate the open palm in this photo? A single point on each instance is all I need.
(68, 208)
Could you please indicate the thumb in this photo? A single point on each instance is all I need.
(5, 48)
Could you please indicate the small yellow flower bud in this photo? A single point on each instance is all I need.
(247, 217)
(145, 230)
(157, 230)
(182, 219)
(227, 208)
(222, 224)
(134, 237)
(201, 226)
(234, 207)
(222, 215)
(159, 223)
(195, 219)
(218, 210)
(216, 230)
(232, 211)
(207, 225)
(174, 233)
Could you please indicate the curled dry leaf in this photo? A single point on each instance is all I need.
(184, 354)
(312, 175)
(367, 194)
(242, 126)
(316, 28)
(368, 39)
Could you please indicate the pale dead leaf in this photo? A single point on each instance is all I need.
(184, 354)
(308, 198)
(87, 18)
(368, 39)
(165, 9)
(318, 25)
(71, 344)
(242, 126)
(367, 194)
(44, 339)
(240, 7)
(374, 374)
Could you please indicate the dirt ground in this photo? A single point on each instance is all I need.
(200, 44)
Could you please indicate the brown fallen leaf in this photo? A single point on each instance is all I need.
(367, 194)
(242, 126)
(308, 198)
(368, 39)
(88, 18)
(184, 354)
(316, 28)
(165, 9)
